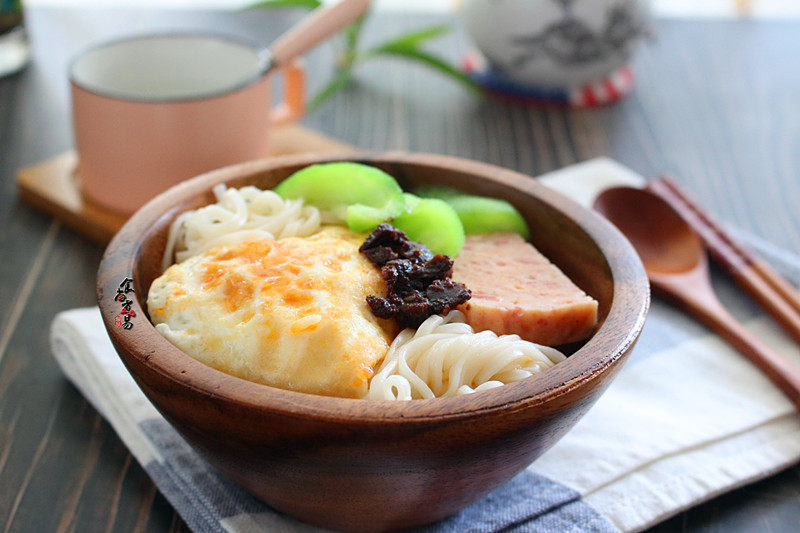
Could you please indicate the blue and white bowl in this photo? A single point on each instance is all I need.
(559, 44)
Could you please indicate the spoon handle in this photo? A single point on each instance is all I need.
(752, 273)
(707, 308)
(315, 28)
(785, 375)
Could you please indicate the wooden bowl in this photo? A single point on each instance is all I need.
(375, 465)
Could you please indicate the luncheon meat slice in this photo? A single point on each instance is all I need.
(515, 289)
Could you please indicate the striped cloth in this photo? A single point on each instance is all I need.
(687, 419)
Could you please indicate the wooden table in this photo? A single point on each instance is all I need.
(717, 103)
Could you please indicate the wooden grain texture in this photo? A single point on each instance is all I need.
(773, 292)
(51, 186)
(715, 105)
(363, 465)
(676, 262)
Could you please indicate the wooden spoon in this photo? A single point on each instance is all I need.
(677, 266)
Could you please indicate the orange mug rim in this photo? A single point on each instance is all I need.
(261, 52)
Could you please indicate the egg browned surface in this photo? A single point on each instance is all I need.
(290, 313)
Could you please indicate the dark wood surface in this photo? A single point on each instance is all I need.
(716, 104)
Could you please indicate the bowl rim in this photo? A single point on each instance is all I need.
(630, 303)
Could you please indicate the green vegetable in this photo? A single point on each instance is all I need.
(411, 200)
(433, 223)
(364, 196)
(442, 193)
(341, 187)
(480, 214)
(364, 218)
(360, 217)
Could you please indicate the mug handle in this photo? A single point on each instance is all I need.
(293, 105)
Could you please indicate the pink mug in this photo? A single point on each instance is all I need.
(152, 111)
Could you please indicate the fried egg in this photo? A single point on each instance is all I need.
(290, 313)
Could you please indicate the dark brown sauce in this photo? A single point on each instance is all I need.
(418, 283)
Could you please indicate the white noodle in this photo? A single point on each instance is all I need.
(238, 215)
(445, 357)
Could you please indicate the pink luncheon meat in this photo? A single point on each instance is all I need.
(515, 289)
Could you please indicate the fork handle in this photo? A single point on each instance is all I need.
(704, 305)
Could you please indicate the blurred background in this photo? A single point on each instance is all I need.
(713, 101)
(662, 7)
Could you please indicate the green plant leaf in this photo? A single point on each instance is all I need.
(10, 6)
(352, 35)
(415, 38)
(341, 79)
(420, 56)
(354, 32)
(308, 4)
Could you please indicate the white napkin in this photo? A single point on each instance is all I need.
(686, 420)
(688, 423)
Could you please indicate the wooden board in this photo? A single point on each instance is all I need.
(51, 186)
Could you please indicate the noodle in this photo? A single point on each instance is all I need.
(445, 357)
(238, 215)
